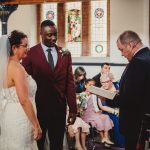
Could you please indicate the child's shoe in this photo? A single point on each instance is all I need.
(108, 141)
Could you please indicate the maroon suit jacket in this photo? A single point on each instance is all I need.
(52, 86)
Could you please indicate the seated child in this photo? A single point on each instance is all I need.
(79, 130)
(100, 121)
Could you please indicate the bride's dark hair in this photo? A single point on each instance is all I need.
(15, 38)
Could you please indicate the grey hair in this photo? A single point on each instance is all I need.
(106, 76)
(128, 36)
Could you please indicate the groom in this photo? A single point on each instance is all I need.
(51, 68)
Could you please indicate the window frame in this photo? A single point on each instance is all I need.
(84, 58)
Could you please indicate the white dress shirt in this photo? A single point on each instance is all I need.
(53, 52)
(95, 103)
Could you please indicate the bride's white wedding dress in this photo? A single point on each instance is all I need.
(16, 129)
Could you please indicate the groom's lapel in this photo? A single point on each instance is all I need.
(59, 60)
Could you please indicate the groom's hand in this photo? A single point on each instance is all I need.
(71, 118)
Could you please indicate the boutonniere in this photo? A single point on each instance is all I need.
(64, 51)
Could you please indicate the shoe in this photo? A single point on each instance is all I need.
(107, 145)
(79, 148)
(103, 140)
(107, 141)
(84, 148)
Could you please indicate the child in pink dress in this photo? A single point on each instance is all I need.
(98, 120)
(79, 130)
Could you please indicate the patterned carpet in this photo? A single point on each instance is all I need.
(93, 146)
(103, 147)
(100, 146)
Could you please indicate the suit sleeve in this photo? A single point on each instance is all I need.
(132, 91)
(115, 102)
(70, 89)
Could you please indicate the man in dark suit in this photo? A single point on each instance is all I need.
(105, 67)
(134, 92)
(51, 67)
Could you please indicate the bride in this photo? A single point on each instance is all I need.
(19, 127)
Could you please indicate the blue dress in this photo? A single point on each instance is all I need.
(116, 136)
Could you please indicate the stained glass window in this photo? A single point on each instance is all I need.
(94, 18)
(49, 12)
(73, 21)
(99, 37)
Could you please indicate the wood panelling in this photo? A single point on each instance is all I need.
(86, 28)
(61, 24)
(65, 0)
(22, 2)
(37, 1)
(108, 28)
(38, 19)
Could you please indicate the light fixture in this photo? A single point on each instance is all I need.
(5, 11)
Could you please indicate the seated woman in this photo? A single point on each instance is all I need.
(79, 77)
(107, 84)
(100, 121)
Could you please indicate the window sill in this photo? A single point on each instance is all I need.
(88, 59)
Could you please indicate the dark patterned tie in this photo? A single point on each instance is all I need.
(50, 58)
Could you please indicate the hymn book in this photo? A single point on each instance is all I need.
(102, 92)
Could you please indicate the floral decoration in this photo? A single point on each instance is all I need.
(82, 105)
(83, 100)
(64, 52)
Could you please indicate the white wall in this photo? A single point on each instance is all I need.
(24, 19)
(127, 15)
(124, 15)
